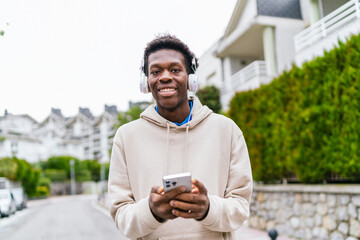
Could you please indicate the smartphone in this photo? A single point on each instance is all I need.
(176, 180)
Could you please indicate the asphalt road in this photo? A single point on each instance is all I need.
(70, 218)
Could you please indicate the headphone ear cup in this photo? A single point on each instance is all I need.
(144, 86)
(193, 83)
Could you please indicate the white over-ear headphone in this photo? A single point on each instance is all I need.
(144, 85)
(192, 79)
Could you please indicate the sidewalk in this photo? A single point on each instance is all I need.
(246, 233)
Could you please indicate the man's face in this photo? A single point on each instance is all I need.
(168, 79)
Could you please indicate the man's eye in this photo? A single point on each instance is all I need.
(155, 72)
(176, 70)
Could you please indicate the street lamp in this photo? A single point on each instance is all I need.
(72, 177)
(102, 178)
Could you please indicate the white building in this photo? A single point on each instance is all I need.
(265, 37)
(82, 136)
(80, 128)
(16, 137)
(210, 68)
(103, 133)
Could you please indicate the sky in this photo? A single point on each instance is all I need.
(68, 54)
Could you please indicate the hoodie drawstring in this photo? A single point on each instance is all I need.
(186, 148)
(167, 148)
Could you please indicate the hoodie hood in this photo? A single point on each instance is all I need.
(199, 113)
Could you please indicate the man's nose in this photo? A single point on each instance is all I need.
(166, 76)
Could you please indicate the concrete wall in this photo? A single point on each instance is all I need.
(308, 211)
(64, 188)
(284, 43)
(285, 31)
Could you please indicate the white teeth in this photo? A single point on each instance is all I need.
(167, 89)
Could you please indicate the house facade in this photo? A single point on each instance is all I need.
(266, 37)
(104, 131)
(16, 136)
(83, 136)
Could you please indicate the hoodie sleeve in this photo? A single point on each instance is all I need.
(228, 213)
(133, 219)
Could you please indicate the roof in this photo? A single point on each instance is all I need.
(57, 112)
(235, 17)
(112, 109)
(279, 8)
(86, 112)
(18, 115)
(274, 8)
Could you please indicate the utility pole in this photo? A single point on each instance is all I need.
(102, 178)
(72, 177)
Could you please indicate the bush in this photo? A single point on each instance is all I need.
(42, 191)
(61, 163)
(20, 170)
(107, 168)
(83, 175)
(210, 96)
(306, 122)
(56, 175)
(8, 168)
(45, 182)
(31, 180)
(93, 166)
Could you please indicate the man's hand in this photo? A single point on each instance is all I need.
(192, 205)
(159, 202)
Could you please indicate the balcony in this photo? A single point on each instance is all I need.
(250, 77)
(333, 22)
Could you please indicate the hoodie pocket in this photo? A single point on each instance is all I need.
(195, 236)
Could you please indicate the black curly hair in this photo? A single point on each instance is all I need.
(170, 42)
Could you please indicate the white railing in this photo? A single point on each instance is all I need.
(345, 14)
(255, 69)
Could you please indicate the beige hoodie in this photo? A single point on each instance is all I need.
(211, 147)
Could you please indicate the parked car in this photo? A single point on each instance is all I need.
(20, 198)
(7, 203)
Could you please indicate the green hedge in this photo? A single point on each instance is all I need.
(83, 175)
(55, 175)
(85, 170)
(306, 123)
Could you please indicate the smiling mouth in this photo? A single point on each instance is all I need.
(167, 90)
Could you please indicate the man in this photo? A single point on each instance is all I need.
(175, 136)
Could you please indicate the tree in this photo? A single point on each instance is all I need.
(61, 163)
(210, 96)
(130, 115)
(94, 167)
(20, 170)
(8, 168)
